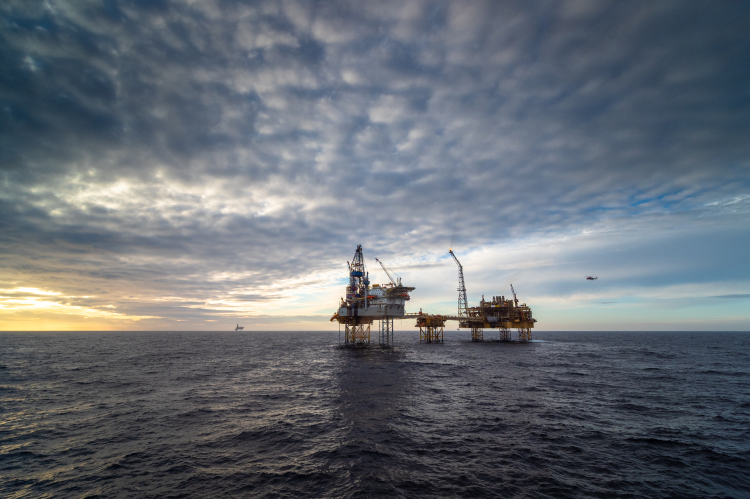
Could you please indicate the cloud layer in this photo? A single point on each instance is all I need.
(200, 161)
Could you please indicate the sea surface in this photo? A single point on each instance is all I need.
(290, 414)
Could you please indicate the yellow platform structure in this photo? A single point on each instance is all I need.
(431, 328)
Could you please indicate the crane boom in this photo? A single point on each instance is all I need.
(463, 306)
(393, 281)
(515, 299)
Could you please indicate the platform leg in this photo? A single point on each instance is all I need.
(477, 334)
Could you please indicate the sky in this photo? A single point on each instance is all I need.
(191, 165)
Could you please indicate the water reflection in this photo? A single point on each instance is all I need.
(375, 389)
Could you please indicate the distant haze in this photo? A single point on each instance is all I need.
(175, 165)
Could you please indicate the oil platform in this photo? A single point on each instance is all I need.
(364, 304)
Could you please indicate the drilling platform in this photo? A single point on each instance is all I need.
(364, 304)
(384, 302)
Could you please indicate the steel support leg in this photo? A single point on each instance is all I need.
(524, 334)
(356, 334)
(477, 334)
(386, 331)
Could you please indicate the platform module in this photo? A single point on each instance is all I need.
(498, 313)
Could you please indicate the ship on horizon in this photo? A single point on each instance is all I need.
(239, 328)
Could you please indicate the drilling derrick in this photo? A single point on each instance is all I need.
(359, 281)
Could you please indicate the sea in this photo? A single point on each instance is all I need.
(292, 414)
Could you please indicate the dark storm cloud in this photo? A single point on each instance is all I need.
(162, 143)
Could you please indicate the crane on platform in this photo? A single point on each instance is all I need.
(463, 306)
(515, 299)
(395, 282)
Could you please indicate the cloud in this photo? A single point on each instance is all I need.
(147, 150)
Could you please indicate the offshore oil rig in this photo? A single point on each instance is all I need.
(384, 302)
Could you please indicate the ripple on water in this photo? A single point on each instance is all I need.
(293, 415)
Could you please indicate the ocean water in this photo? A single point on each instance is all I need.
(261, 414)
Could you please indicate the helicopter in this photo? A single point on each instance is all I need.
(589, 278)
